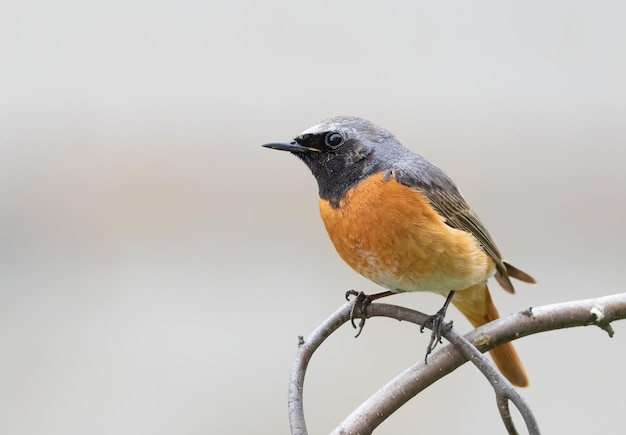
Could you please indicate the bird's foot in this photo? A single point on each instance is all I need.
(439, 326)
(362, 301)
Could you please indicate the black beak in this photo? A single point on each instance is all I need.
(292, 146)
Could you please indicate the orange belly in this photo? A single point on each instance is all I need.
(390, 234)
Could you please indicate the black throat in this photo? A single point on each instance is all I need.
(338, 171)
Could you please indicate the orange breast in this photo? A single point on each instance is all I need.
(389, 233)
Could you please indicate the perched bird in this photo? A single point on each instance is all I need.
(400, 221)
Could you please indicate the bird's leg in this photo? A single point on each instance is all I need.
(364, 300)
(438, 326)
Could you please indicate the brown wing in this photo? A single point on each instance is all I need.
(457, 214)
(450, 204)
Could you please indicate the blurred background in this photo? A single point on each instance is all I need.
(157, 264)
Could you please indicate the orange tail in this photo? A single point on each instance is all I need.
(475, 303)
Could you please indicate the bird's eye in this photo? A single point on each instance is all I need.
(333, 140)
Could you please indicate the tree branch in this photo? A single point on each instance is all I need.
(372, 412)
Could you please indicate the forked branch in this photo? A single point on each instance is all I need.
(371, 413)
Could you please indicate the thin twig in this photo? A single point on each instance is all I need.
(502, 387)
(303, 356)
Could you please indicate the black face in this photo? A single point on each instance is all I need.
(346, 150)
(337, 161)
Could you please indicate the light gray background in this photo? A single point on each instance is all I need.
(157, 264)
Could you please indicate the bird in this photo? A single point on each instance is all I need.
(400, 221)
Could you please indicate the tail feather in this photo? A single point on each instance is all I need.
(516, 273)
(475, 303)
(508, 271)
